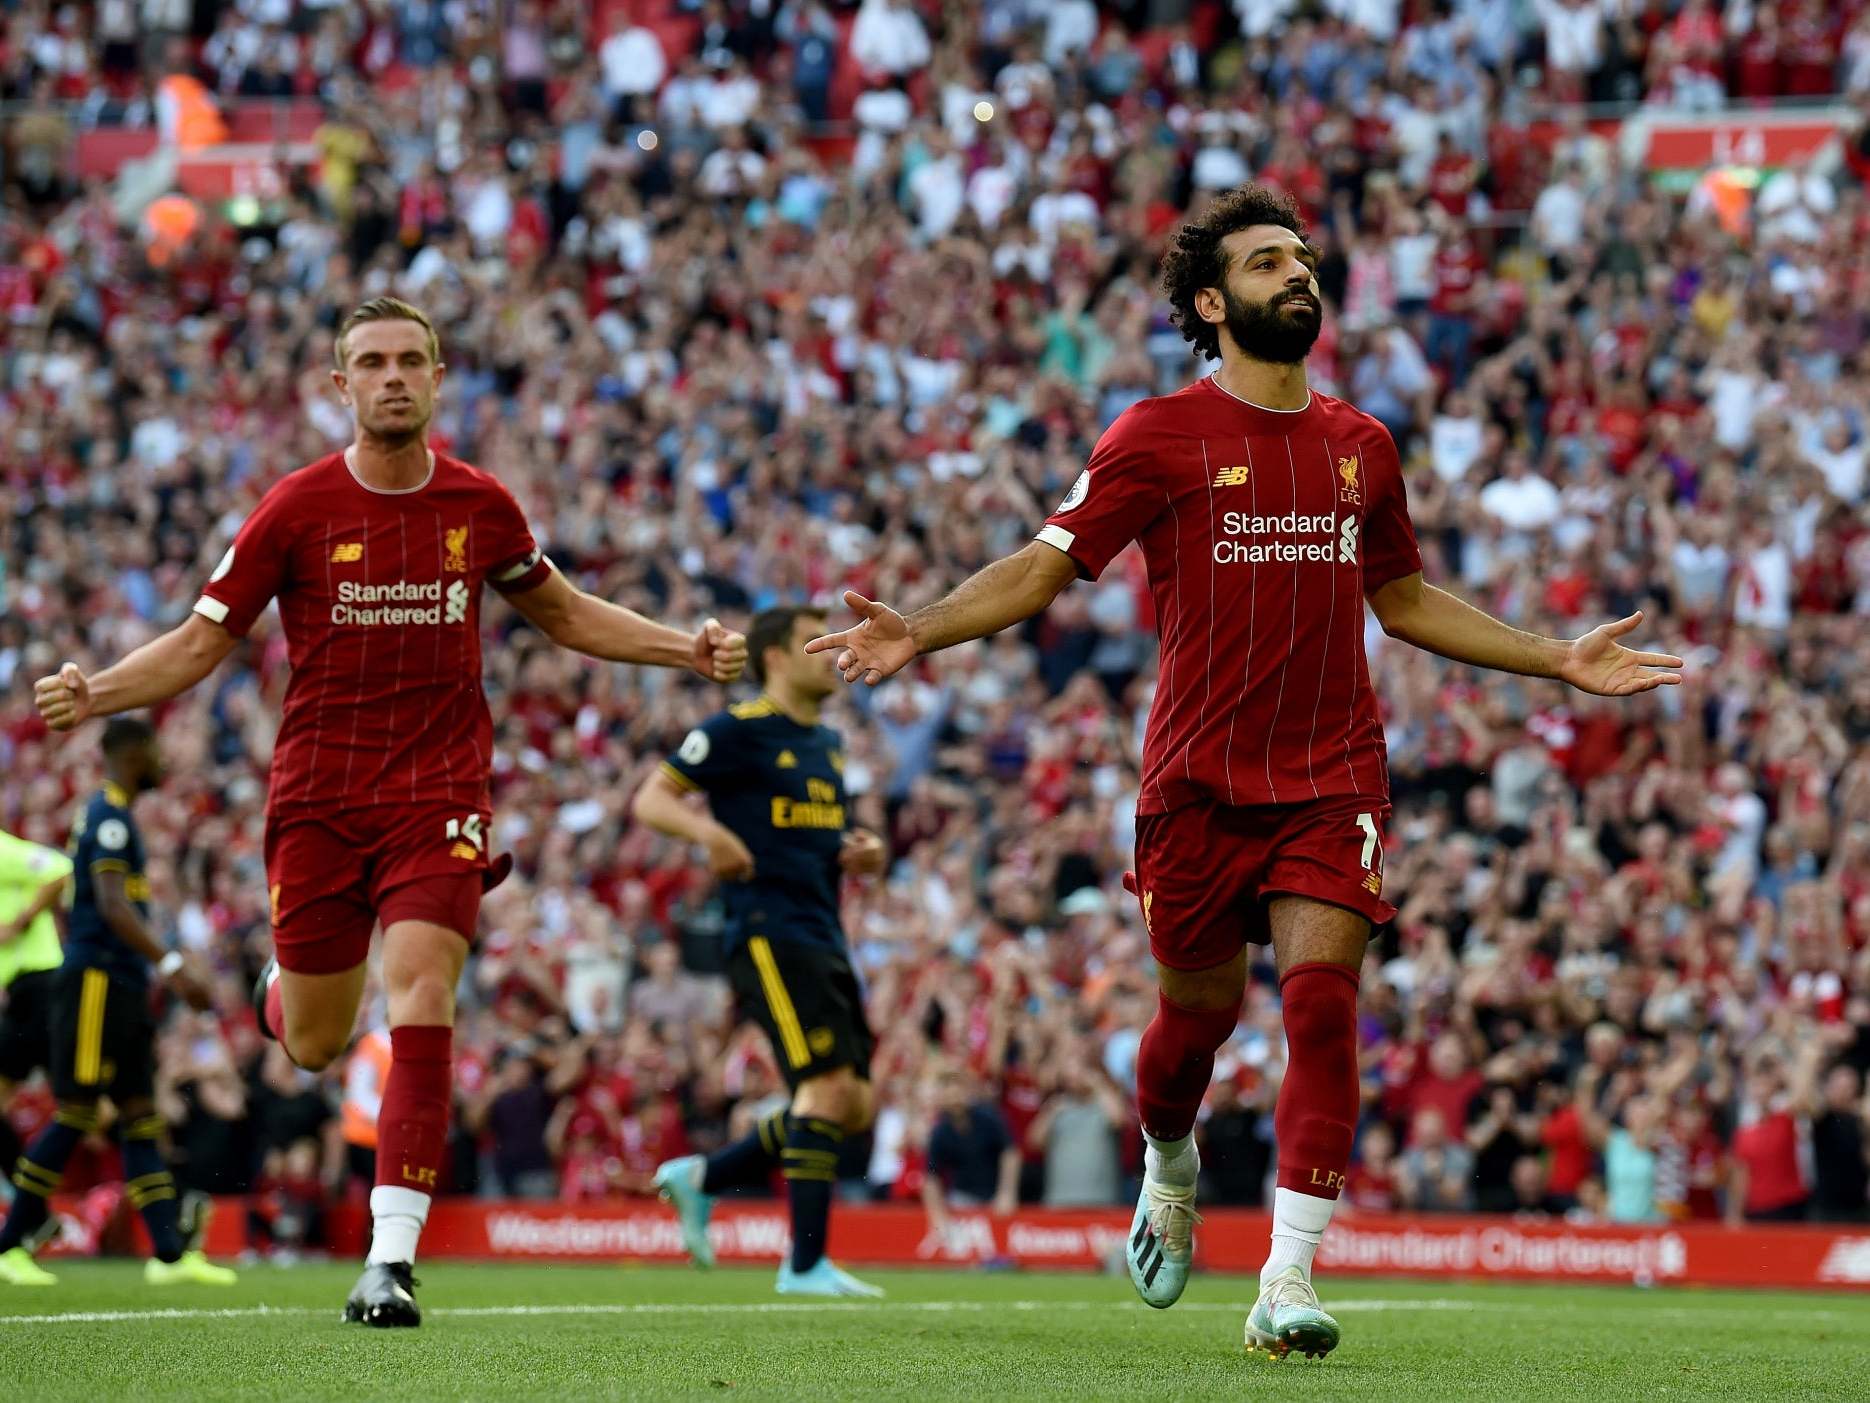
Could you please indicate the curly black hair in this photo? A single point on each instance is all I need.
(1196, 259)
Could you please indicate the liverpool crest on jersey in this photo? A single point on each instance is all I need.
(1347, 472)
(454, 549)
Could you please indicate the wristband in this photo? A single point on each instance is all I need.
(169, 964)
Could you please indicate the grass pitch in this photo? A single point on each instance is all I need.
(559, 1333)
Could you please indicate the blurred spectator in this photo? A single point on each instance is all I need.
(1767, 1183)
(1436, 1172)
(202, 1095)
(668, 994)
(1839, 1146)
(512, 1116)
(1500, 1136)
(1078, 1129)
(972, 1160)
(1371, 1186)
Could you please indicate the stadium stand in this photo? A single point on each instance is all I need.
(750, 302)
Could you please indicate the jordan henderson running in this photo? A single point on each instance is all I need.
(1268, 516)
(379, 804)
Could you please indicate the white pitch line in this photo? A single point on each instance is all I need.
(628, 1308)
(105, 1317)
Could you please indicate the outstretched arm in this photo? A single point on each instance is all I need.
(162, 668)
(599, 629)
(1436, 620)
(1011, 589)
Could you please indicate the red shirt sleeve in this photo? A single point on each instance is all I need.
(252, 572)
(1113, 501)
(517, 563)
(1390, 549)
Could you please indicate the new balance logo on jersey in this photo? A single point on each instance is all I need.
(349, 553)
(400, 603)
(1231, 477)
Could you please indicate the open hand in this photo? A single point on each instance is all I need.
(877, 647)
(719, 654)
(1599, 664)
(64, 700)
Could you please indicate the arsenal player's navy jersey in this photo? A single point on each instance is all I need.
(778, 786)
(379, 594)
(105, 838)
(1263, 530)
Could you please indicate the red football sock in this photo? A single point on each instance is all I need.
(1175, 1062)
(412, 1125)
(1316, 1118)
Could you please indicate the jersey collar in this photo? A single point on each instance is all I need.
(115, 795)
(351, 468)
(1264, 409)
(780, 711)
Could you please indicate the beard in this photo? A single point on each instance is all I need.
(397, 427)
(1267, 331)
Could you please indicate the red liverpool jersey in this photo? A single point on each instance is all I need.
(1262, 530)
(379, 593)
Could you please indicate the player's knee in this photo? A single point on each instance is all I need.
(314, 1048)
(1219, 988)
(425, 998)
(861, 1114)
(1318, 1005)
(835, 1096)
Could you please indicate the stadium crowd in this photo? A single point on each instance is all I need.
(751, 302)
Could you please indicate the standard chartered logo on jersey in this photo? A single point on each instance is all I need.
(401, 603)
(1292, 539)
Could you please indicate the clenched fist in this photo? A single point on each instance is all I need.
(63, 700)
(720, 654)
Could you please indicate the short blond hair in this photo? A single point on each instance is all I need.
(384, 309)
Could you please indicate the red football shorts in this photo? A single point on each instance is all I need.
(333, 877)
(1206, 871)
